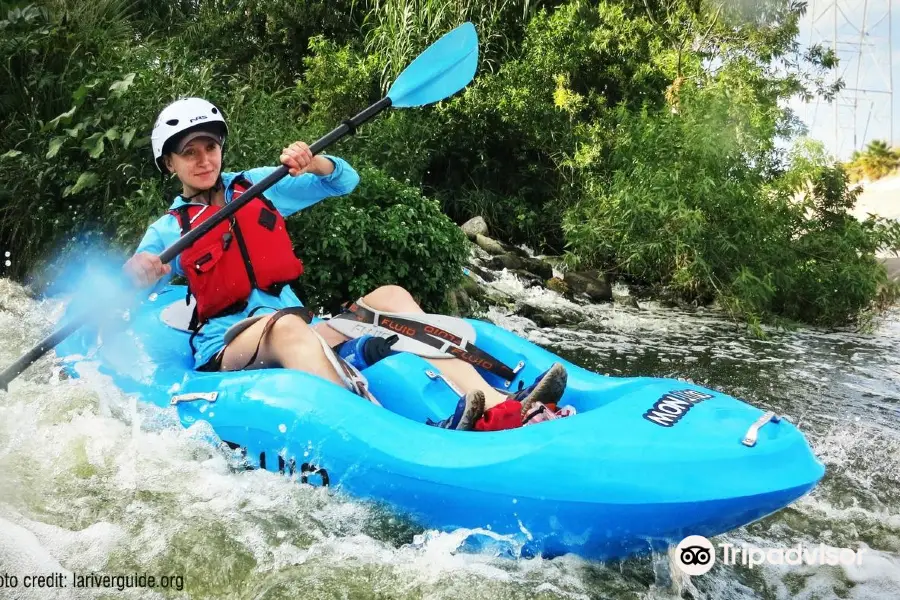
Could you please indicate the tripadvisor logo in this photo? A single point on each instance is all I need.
(696, 555)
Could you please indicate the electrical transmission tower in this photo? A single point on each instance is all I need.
(859, 32)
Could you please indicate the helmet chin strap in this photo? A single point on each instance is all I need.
(218, 185)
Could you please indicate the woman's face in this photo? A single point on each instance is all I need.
(197, 165)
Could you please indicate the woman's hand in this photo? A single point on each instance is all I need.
(299, 159)
(145, 269)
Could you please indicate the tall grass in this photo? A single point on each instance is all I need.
(397, 30)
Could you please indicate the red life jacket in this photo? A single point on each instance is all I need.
(250, 250)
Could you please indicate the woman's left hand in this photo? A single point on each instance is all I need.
(297, 158)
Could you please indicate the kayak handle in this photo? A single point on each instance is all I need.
(753, 432)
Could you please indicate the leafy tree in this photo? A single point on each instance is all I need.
(875, 162)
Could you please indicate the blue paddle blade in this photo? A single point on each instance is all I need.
(443, 69)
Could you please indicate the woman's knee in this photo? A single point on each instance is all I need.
(392, 297)
(290, 330)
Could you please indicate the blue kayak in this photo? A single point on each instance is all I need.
(644, 463)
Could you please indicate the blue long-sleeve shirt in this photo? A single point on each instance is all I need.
(289, 195)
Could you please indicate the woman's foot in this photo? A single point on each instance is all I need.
(469, 409)
(547, 389)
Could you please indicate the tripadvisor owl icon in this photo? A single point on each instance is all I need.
(695, 555)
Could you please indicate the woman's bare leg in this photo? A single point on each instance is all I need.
(332, 336)
(289, 343)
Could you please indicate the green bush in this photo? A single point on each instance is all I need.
(240, 32)
(687, 210)
(385, 232)
(504, 147)
(832, 274)
(75, 121)
(681, 208)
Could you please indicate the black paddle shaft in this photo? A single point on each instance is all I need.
(168, 255)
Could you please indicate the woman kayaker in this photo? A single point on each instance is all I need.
(241, 268)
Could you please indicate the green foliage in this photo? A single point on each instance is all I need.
(504, 147)
(236, 33)
(832, 275)
(61, 119)
(696, 198)
(643, 136)
(681, 207)
(398, 30)
(386, 232)
(686, 209)
(514, 142)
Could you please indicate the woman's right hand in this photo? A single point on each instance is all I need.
(145, 269)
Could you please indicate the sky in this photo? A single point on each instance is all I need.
(869, 70)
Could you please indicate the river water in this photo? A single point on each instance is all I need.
(91, 480)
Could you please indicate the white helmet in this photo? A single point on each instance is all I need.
(181, 117)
